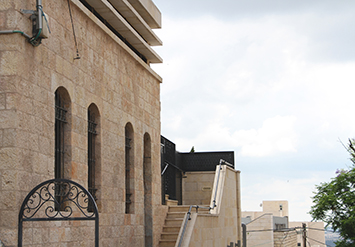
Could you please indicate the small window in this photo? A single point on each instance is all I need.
(280, 226)
(129, 175)
(91, 155)
(62, 142)
(60, 122)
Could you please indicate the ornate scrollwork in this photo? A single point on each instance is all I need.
(58, 198)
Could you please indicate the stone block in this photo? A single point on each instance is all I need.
(8, 137)
(7, 199)
(8, 119)
(8, 236)
(23, 181)
(2, 101)
(11, 101)
(9, 63)
(9, 180)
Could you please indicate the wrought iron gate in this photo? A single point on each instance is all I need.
(58, 200)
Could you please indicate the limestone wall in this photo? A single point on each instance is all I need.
(314, 232)
(109, 75)
(197, 188)
(260, 231)
(277, 208)
(285, 238)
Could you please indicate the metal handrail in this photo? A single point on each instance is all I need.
(169, 164)
(188, 215)
(219, 171)
(215, 192)
(166, 167)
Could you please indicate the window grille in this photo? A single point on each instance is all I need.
(91, 155)
(128, 148)
(60, 121)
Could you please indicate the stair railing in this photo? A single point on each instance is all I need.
(188, 215)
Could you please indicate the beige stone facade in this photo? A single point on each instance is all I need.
(315, 234)
(269, 227)
(262, 227)
(109, 78)
(285, 239)
(197, 188)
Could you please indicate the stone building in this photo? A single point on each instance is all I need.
(315, 233)
(272, 227)
(78, 100)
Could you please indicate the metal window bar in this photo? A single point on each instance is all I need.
(60, 121)
(128, 166)
(91, 156)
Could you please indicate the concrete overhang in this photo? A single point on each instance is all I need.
(149, 12)
(138, 23)
(118, 22)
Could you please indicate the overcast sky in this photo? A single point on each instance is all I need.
(272, 81)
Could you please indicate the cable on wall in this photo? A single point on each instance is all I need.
(72, 24)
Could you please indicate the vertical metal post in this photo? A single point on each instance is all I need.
(244, 227)
(40, 14)
(304, 235)
(215, 193)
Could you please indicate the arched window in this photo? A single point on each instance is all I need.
(62, 146)
(129, 163)
(94, 151)
(62, 157)
(147, 177)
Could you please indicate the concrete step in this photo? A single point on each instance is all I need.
(185, 209)
(167, 243)
(174, 215)
(171, 229)
(169, 235)
(173, 222)
(179, 208)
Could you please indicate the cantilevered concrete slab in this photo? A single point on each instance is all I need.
(149, 12)
(138, 23)
(116, 20)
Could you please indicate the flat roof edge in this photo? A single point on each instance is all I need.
(117, 39)
(149, 11)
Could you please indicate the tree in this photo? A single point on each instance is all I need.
(334, 202)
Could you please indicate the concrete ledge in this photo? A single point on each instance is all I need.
(107, 11)
(117, 40)
(149, 12)
(135, 19)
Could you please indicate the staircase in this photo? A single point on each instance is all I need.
(173, 223)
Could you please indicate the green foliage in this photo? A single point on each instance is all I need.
(334, 202)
